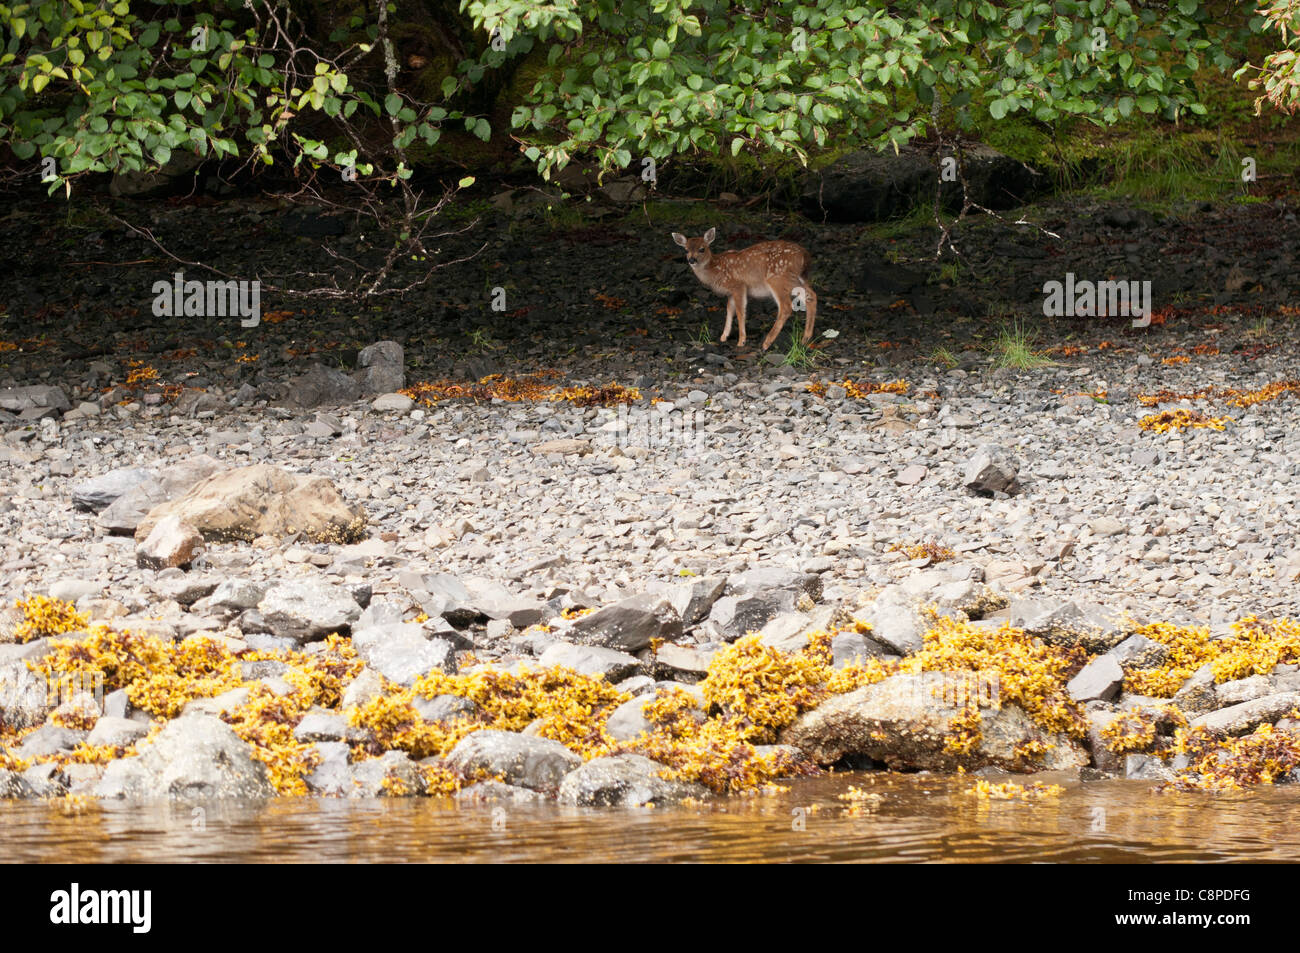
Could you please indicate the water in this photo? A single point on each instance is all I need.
(919, 819)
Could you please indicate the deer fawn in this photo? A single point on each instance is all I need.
(766, 270)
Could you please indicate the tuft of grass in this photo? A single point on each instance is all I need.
(800, 354)
(561, 216)
(919, 218)
(481, 341)
(1014, 348)
(683, 215)
(948, 272)
(944, 358)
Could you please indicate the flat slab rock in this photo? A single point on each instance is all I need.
(1239, 719)
(589, 660)
(624, 780)
(905, 720)
(539, 764)
(98, 492)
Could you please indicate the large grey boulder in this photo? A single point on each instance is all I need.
(1147, 767)
(789, 631)
(1071, 622)
(629, 625)
(1245, 689)
(323, 386)
(392, 774)
(523, 760)
(194, 756)
(98, 492)
(237, 593)
(1137, 651)
(12, 785)
(367, 686)
(24, 696)
(1099, 679)
(610, 664)
(183, 587)
(628, 720)
(34, 397)
(848, 648)
(685, 663)
(49, 739)
(333, 772)
(73, 589)
(454, 602)
(772, 578)
(485, 791)
(733, 617)
(322, 725)
(117, 732)
(402, 652)
(307, 609)
(125, 513)
(905, 721)
(694, 599)
(1198, 694)
(1098, 744)
(624, 780)
(44, 780)
(444, 707)
(493, 600)
(380, 368)
(991, 469)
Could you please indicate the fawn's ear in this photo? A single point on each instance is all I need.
(679, 238)
(710, 235)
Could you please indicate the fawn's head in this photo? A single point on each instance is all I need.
(697, 249)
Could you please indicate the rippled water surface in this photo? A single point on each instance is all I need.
(918, 819)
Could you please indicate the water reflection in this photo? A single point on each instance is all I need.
(918, 819)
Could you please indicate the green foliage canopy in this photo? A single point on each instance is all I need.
(102, 87)
(659, 77)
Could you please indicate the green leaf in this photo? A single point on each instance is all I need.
(392, 104)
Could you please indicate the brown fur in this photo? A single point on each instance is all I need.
(766, 270)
